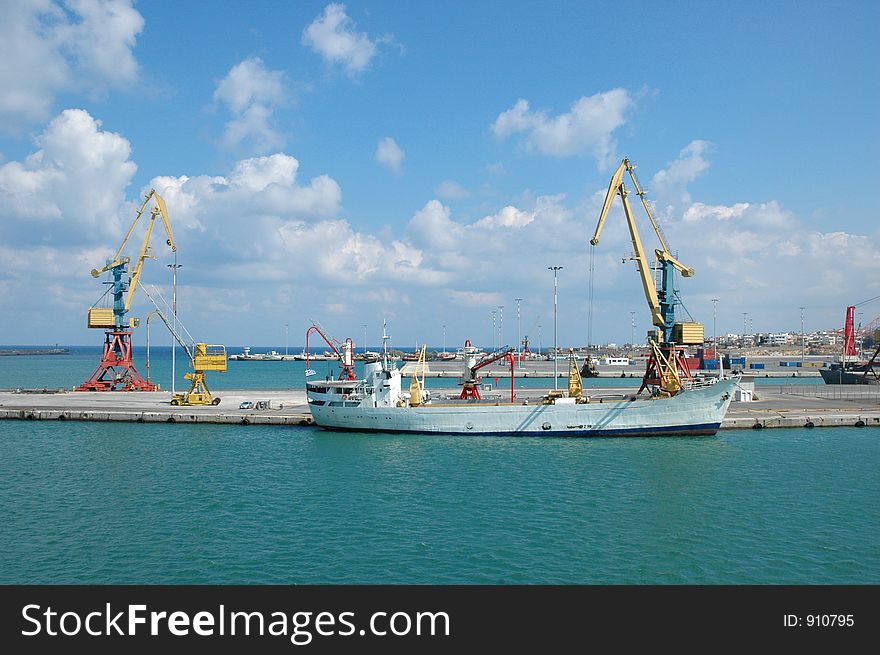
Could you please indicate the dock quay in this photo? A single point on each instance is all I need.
(775, 406)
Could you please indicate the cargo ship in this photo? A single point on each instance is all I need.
(377, 403)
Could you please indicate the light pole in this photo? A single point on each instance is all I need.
(803, 342)
(555, 270)
(632, 331)
(174, 268)
(286, 333)
(714, 319)
(149, 316)
(518, 335)
(745, 321)
(444, 339)
(365, 342)
(494, 330)
(540, 341)
(500, 326)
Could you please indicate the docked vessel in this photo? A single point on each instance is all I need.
(377, 402)
(248, 356)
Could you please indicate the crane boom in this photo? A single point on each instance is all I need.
(618, 187)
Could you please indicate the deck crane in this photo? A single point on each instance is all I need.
(469, 381)
(346, 357)
(666, 365)
(117, 372)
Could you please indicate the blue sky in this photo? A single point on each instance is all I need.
(426, 162)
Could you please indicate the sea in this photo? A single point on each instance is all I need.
(209, 504)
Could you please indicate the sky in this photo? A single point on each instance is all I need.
(426, 163)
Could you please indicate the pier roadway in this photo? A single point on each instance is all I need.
(775, 406)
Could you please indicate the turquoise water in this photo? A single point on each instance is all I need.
(159, 503)
(68, 371)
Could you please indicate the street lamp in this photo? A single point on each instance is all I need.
(518, 335)
(149, 316)
(444, 339)
(286, 333)
(632, 331)
(540, 341)
(174, 268)
(500, 326)
(555, 270)
(494, 330)
(745, 321)
(365, 342)
(803, 341)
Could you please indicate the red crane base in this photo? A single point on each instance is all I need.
(469, 391)
(117, 372)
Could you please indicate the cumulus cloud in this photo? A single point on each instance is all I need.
(72, 188)
(451, 190)
(390, 155)
(48, 47)
(671, 182)
(333, 36)
(586, 128)
(262, 243)
(251, 93)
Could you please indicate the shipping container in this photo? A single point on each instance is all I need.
(755, 365)
(710, 364)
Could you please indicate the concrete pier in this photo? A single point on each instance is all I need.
(782, 406)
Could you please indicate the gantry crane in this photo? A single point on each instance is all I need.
(666, 365)
(117, 372)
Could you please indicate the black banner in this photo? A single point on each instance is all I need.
(430, 618)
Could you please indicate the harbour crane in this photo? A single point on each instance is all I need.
(666, 365)
(202, 357)
(117, 371)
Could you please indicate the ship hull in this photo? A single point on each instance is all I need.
(839, 376)
(693, 413)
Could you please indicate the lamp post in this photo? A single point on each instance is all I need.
(365, 342)
(174, 268)
(632, 331)
(500, 326)
(149, 316)
(518, 335)
(745, 322)
(555, 270)
(803, 341)
(286, 333)
(444, 339)
(540, 341)
(494, 330)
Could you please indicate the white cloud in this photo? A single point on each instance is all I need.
(47, 47)
(251, 92)
(451, 190)
(333, 36)
(75, 181)
(390, 155)
(671, 182)
(587, 127)
(507, 217)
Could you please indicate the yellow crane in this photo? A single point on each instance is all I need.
(665, 365)
(116, 370)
